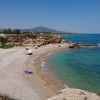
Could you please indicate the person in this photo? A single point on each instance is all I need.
(29, 52)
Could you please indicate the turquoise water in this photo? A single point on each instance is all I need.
(79, 67)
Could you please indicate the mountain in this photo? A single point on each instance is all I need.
(42, 29)
(39, 29)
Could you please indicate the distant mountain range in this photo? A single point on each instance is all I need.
(42, 29)
(39, 29)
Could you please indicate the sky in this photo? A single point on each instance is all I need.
(82, 16)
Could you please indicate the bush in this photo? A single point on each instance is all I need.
(5, 97)
(6, 46)
(98, 94)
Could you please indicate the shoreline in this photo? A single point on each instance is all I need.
(55, 85)
(16, 83)
(42, 82)
(45, 73)
(51, 81)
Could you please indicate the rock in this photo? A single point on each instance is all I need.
(75, 94)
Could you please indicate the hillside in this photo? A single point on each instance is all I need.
(42, 29)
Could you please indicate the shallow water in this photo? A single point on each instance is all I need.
(79, 67)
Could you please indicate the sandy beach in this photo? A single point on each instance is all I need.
(18, 84)
(40, 84)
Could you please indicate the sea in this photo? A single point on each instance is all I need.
(78, 67)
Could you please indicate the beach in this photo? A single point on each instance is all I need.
(18, 84)
(39, 84)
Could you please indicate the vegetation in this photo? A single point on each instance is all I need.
(5, 97)
(6, 46)
(21, 38)
(9, 31)
(17, 31)
(98, 94)
(3, 41)
(32, 36)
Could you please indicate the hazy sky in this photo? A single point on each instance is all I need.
(67, 15)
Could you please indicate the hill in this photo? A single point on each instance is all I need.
(42, 29)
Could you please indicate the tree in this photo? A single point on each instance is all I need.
(3, 41)
(17, 31)
(7, 31)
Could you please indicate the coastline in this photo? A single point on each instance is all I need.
(46, 75)
(18, 84)
(55, 85)
(51, 81)
(48, 84)
(36, 86)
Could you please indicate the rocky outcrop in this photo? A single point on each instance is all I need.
(75, 94)
(47, 39)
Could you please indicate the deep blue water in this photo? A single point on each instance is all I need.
(83, 38)
(78, 67)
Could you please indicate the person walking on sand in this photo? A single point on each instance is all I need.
(29, 52)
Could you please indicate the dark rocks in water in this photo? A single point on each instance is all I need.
(81, 45)
(87, 45)
(71, 46)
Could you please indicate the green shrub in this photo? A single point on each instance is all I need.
(6, 46)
